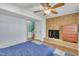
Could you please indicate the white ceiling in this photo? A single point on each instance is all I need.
(26, 10)
(26, 5)
(30, 7)
(15, 9)
(68, 8)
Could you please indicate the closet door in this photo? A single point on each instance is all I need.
(69, 33)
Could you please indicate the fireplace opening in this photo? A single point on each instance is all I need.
(53, 34)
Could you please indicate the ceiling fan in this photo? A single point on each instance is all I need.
(47, 8)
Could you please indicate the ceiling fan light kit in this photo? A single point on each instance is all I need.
(47, 11)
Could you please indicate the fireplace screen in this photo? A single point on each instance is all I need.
(53, 34)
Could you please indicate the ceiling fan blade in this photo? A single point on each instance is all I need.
(58, 5)
(54, 12)
(48, 5)
(38, 11)
(43, 5)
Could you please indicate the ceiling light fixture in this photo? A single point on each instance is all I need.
(47, 11)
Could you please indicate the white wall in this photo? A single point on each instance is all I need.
(12, 31)
(43, 28)
(40, 29)
(37, 30)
